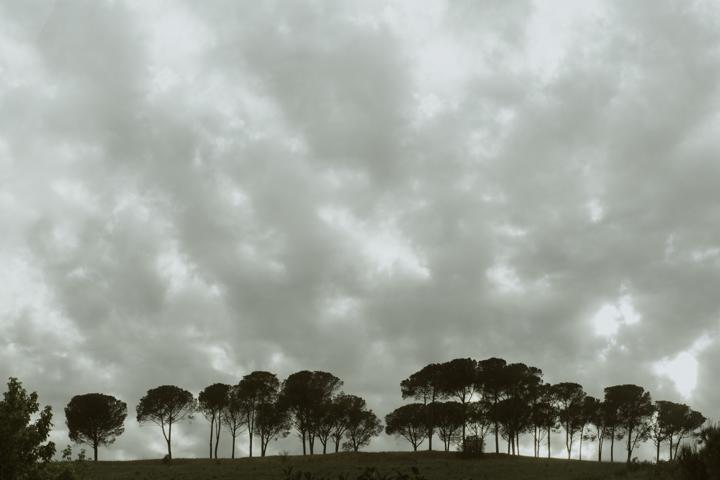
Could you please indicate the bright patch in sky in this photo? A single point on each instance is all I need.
(682, 370)
(504, 278)
(610, 316)
(383, 246)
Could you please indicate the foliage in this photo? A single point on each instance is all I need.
(96, 419)
(164, 406)
(23, 442)
(212, 401)
(408, 421)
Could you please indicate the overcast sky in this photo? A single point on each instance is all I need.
(190, 191)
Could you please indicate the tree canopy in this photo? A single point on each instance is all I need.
(96, 419)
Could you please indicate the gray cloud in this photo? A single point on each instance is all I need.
(192, 191)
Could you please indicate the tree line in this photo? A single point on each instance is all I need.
(309, 402)
(455, 401)
(507, 400)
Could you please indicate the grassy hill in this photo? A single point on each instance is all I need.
(432, 465)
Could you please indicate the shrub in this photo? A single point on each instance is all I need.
(691, 465)
(472, 447)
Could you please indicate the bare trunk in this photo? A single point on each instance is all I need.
(212, 424)
(548, 428)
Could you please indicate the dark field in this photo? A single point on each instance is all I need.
(433, 466)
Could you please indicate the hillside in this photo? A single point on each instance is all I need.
(432, 465)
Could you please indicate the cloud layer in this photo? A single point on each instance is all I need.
(191, 191)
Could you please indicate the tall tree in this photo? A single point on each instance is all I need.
(458, 380)
(425, 386)
(545, 415)
(491, 382)
(408, 421)
(23, 433)
(272, 421)
(211, 402)
(634, 411)
(304, 395)
(234, 416)
(340, 409)
(569, 397)
(589, 407)
(165, 406)
(257, 388)
(692, 421)
(96, 419)
(598, 417)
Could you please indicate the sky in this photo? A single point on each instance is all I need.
(190, 191)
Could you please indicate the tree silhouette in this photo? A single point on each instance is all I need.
(491, 382)
(458, 380)
(96, 419)
(545, 415)
(362, 426)
(449, 420)
(477, 418)
(22, 440)
(570, 397)
(257, 388)
(425, 385)
(338, 418)
(164, 406)
(304, 395)
(408, 421)
(634, 411)
(234, 416)
(272, 421)
(211, 402)
(589, 406)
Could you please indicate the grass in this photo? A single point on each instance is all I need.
(432, 465)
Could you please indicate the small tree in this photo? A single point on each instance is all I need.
(362, 426)
(272, 422)
(165, 406)
(211, 402)
(570, 397)
(449, 420)
(234, 416)
(95, 419)
(410, 422)
(22, 441)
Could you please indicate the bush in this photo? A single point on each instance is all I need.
(472, 447)
(691, 465)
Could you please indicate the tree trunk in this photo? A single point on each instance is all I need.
(497, 439)
(430, 435)
(212, 424)
(581, 435)
(250, 442)
(232, 454)
(169, 440)
(95, 448)
(629, 446)
(612, 446)
(548, 441)
(337, 445)
(303, 442)
(670, 455)
(217, 438)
